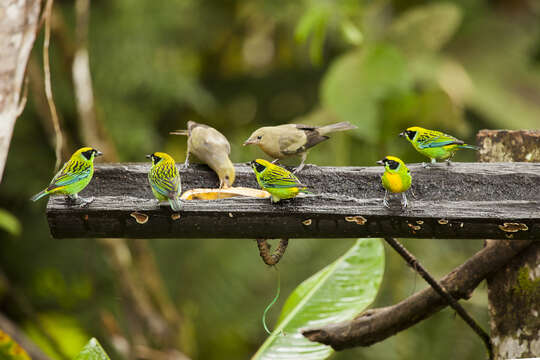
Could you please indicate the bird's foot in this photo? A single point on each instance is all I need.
(385, 203)
(404, 201)
(299, 168)
(425, 165)
(413, 193)
(77, 200)
(448, 162)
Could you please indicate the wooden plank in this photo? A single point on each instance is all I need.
(465, 200)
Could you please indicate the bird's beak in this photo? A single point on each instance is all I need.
(149, 156)
(402, 133)
(98, 153)
(380, 162)
(249, 142)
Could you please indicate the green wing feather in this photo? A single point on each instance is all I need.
(71, 172)
(279, 178)
(434, 139)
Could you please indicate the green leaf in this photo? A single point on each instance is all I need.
(425, 28)
(92, 351)
(358, 81)
(10, 350)
(9, 223)
(336, 293)
(313, 23)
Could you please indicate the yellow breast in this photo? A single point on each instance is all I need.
(393, 182)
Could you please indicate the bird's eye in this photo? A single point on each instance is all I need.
(393, 165)
(411, 134)
(259, 137)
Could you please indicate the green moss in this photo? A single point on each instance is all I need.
(525, 286)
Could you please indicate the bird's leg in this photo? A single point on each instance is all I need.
(302, 163)
(448, 162)
(385, 199)
(404, 201)
(186, 163)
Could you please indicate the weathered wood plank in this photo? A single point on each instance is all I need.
(465, 200)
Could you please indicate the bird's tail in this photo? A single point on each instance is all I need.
(467, 146)
(340, 126)
(180, 132)
(176, 204)
(39, 195)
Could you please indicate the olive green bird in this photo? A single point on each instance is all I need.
(164, 179)
(396, 178)
(287, 140)
(279, 182)
(212, 148)
(434, 144)
(73, 177)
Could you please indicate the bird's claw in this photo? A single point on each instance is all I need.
(404, 201)
(77, 200)
(385, 203)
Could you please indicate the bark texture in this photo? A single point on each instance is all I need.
(465, 200)
(514, 290)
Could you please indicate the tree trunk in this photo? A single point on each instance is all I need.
(514, 290)
(19, 21)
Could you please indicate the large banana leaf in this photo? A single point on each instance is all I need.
(338, 292)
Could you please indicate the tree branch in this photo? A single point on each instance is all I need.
(375, 325)
(415, 264)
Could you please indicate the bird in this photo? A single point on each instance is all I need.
(279, 182)
(73, 177)
(396, 178)
(211, 147)
(293, 139)
(435, 144)
(164, 179)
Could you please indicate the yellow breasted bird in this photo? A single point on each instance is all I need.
(293, 139)
(279, 182)
(73, 177)
(396, 178)
(434, 144)
(164, 179)
(212, 148)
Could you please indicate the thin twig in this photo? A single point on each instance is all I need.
(48, 88)
(24, 98)
(413, 262)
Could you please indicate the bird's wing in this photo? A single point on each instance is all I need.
(280, 179)
(292, 142)
(71, 172)
(167, 187)
(436, 139)
(313, 137)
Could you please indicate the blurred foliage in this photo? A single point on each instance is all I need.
(9, 223)
(338, 292)
(456, 66)
(10, 350)
(65, 329)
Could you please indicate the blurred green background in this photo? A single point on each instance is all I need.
(238, 65)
